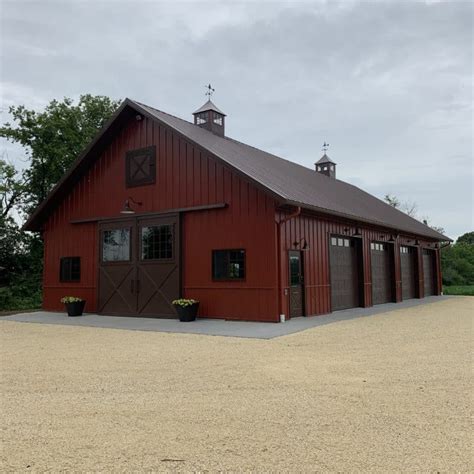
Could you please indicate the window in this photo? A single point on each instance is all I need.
(140, 167)
(70, 269)
(228, 264)
(116, 245)
(201, 118)
(217, 118)
(340, 242)
(157, 242)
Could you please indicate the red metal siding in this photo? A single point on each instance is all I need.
(186, 176)
(316, 229)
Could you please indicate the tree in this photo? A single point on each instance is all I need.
(12, 189)
(457, 262)
(408, 207)
(467, 238)
(52, 139)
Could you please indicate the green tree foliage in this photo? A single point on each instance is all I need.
(52, 140)
(467, 238)
(457, 261)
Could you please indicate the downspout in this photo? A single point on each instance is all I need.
(279, 251)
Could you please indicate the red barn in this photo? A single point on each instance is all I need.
(158, 208)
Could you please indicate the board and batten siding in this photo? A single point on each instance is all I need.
(316, 230)
(187, 176)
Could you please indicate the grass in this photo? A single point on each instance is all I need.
(464, 290)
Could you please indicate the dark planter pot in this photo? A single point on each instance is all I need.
(187, 313)
(75, 309)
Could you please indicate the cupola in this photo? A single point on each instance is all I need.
(326, 166)
(210, 117)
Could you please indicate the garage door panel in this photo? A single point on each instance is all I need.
(408, 270)
(428, 272)
(382, 275)
(344, 273)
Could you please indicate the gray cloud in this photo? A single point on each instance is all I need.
(388, 84)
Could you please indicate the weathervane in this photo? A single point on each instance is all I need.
(209, 90)
(325, 147)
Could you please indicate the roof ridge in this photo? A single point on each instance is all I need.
(226, 137)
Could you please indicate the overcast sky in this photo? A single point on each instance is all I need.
(387, 84)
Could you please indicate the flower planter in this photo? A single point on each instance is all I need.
(76, 308)
(187, 313)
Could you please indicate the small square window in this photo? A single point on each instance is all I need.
(201, 118)
(116, 245)
(70, 269)
(157, 242)
(346, 242)
(372, 246)
(340, 242)
(228, 264)
(217, 118)
(333, 241)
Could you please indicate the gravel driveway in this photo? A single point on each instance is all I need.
(383, 393)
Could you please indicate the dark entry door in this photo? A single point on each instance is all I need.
(344, 273)
(117, 258)
(158, 266)
(139, 267)
(296, 284)
(428, 272)
(382, 280)
(408, 266)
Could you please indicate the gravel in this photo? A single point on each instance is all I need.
(391, 392)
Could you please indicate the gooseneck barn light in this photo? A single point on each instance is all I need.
(302, 244)
(126, 207)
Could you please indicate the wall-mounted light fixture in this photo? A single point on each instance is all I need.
(382, 236)
(346, 230)
(417, 242)
(357, 233)
(302, 244)
(138, 117)
(127, 209)
(391, 239)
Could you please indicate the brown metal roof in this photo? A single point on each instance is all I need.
(325, 159)
(290, 182)
(209, 105)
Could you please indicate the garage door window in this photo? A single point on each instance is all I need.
(340, 242)
(378, 247)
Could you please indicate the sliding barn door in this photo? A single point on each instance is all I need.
(139, 267)
(117, 268)
(158, 266)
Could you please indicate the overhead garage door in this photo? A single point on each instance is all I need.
(428, 273)
(408, 264)
(382, 280)
(344, 273)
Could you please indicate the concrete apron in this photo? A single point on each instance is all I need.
(215, 327)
